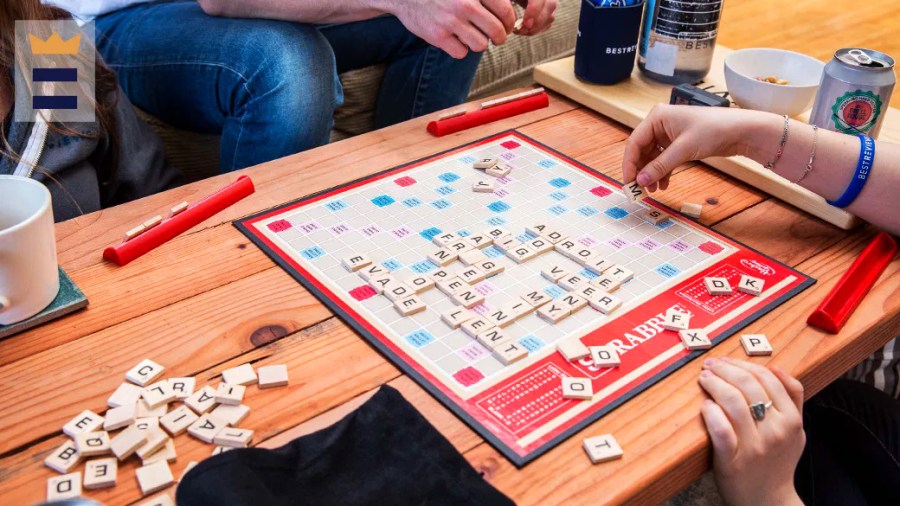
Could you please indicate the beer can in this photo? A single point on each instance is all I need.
(855, 92)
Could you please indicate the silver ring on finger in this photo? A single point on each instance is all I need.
(758, 410)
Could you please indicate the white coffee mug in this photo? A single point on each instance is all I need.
(29, 276)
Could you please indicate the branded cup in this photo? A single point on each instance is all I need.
(29, 276)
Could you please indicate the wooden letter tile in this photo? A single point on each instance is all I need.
(234, 437)
(154, 477)
(125, 395)
(231, 415)
(459, 246)
(572, 282)
(452, 285)
(468, 298)
(86, 421)
(271, 376)
(634, 192)
(125, 443)
(485, 163)
(605, 303)
(597, 264)
(540, 245)
(492, 338)
(577, 388)
(717, 286)
(695, 339)
(506, 242)
(472, 274)
(443, 257)
(410, 305)
(444, 239)
(490, 268)
(91, 444)
(510, 352)
(602, 448)
(483, 186)
(476, 326)
(605, 356)
(145, 372)
(554, 273)
(521, 253)
(573, 302)
(756, 345)
(501, 317)
(692, 210)
(567, 248)
(676, 320)
(158, 394)
(536, 298)
(230, 395)
(119, 417)
(63, 458)
(479, 241)
(205, 428)
(496, 233)
(156, 439)
(553, 312)
(356, 262)
(240, 375)
(166, 453)
(183, 387)
(67, 486)
(620, 274)
(100, 473)
(573, 349)
(202, 400)
(751, 285)
(457, 316)
(398, 290)
(145, 411)
(499, 170)
(178, 420)
(606, 283)
(372, 271)
(472, 257)
(654, 216)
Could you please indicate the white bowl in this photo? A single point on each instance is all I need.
(802, 73)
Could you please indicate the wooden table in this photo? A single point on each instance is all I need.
(210, 300)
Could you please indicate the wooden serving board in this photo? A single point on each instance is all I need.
(630, 101)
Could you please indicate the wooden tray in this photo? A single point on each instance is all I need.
(630, 101)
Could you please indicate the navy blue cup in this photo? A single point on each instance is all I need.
(607, 42)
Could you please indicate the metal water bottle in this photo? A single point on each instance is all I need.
(678, 39)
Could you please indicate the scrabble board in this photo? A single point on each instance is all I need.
(399, 218)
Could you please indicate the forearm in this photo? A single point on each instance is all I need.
(833, 167)
(305, 11)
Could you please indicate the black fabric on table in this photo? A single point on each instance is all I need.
(383, 453)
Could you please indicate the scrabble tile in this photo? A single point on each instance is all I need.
(479, 241)
(510, 352)
(676, 320)
(410, 305)
(582, 255)
(572, 282)
(499, 170)
(492, 337)
(491, 268)
(605, 356)
(605, 303)
(379, 282)
(597, 264)
(620, 274)
(505, 243)
(486, 163)
(521, 253)
(717, 286)
(67, 486)
(240, 375)
(183, 387)
(572, 349)
(372, 271)
(573, 302)
(156, 439)
(119, 417)
(177, 421)
(634, 192)
(86, 421)
(537, 229)
(553, 312)
(146, 423)
(536, 298)
(355, 262)
(100, 473)
(125, 395)
(444, 239)
(397, 291)
(441, 274)
(501, 317)
(452, 285)
(202, 400)
(152, 222)
(750, 285)
(125, 443)
(476, 326)
(567, 248)
(521, 308)
(192, 464)
(91, 444)
(606, 283)
(472, 275)
(158, 393)
(145, 411)
(472, 257)
(233, 437)
(154, 477)
(756, 345)
(460, 246)
(456, 316)
(271, 376)
(166, 453)
(654, 216)
(540, 246)
(695, 339)
(692, 210)
(496, 233)
(588, 291)
(467, 298)
(554, 273)
(231, 415)
(144, 373)
(160, 500)
(64, 458)
(205, 428)
(220, 449)
(602, 448)
(134, 232)
(178, 209)
(443, 257)
(577, 388)
(230, 395)
(483, 186)
(554, 236)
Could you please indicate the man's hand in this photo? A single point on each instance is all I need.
(539, 15)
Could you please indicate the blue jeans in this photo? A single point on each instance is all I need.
(269, 88)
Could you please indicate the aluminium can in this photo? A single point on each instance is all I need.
(855, 92)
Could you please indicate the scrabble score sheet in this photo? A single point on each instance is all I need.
(471, 292)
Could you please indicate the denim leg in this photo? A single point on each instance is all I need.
(269, 87)
(420, 78)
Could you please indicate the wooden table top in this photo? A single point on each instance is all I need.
(209, 300)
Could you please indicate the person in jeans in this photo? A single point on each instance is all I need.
(263, 73)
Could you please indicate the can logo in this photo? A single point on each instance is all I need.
(856, 111)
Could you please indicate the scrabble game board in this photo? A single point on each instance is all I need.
(398, 219)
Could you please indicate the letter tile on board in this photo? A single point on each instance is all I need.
(605, 356)
(486, 163)
(619, 273)
(240, 375)
(554, 273)
(756, 345)
(372, 271)
(493, 337)
(475, 326)
(444, 239)
(356, 262)
(654, 216)
(577, 388)
(397, 291)
(506, 242)
(510, 352)
(459, 246)
(452, 285)
(573, 302)
(540, 245)
(750, 285)
(496, 233)
(483, 186)
(440, 274)
(634, 192)
(410, 305)
(145, 372)
(717, 286)
(695, 339)
(597, 264)
(521, 253)
(567, 248)
(606, 284)
(572, 282)
(582, 255)
(67, 486)
(501, 317)
(154, 477)
(467, 298)
(553, 312)
(605, 303)
(100, 473)
(421, 284)
(271, 376)
(479, 241)
(86, 421)
(472, 257)
(602, 448)
(456, 316)
(676, 320)
(554, 236)
(472, 274)
(63, 458)
(378, 283)
(536, 298)
(442, 257)
(499, 170)
(491, 268)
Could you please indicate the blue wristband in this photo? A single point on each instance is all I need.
(863, 169)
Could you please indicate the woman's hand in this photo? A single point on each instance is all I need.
(753, 461)
(684, 133)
